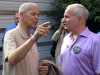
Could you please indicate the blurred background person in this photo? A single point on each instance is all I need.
(13, 25)
(57, 40)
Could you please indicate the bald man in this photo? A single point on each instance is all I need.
(80, 50)
(20, 49)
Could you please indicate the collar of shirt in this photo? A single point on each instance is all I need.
(73, 37)
(85, 33)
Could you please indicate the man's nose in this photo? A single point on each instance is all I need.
(64, 21)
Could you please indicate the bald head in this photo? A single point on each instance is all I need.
(28, 14)
(27, 6)
(78, 10)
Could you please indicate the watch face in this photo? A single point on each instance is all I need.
(76, 49)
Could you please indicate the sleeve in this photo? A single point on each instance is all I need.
(96, 56)
(9, 45)
(56, 36)
(54, 40)
(53, 48)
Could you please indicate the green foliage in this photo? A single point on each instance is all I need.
(92, 5)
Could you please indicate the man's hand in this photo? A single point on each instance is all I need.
(41, 30)
(43, 68)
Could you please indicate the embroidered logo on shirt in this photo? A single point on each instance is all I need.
(76, 49)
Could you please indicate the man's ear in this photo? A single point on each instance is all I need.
(16, 18)
(82, 21)
(19, 15)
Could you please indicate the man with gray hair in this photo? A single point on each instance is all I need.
(20, 49)
(80, 50)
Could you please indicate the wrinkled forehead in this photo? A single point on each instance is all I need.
(34, 9)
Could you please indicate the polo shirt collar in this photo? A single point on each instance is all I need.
(85, 33)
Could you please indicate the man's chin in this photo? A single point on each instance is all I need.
(65, 28)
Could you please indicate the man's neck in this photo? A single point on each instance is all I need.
(23, 26)
(25, 29)
(79, 30)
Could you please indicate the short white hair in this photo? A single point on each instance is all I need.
(79, 10)
(26, 6)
